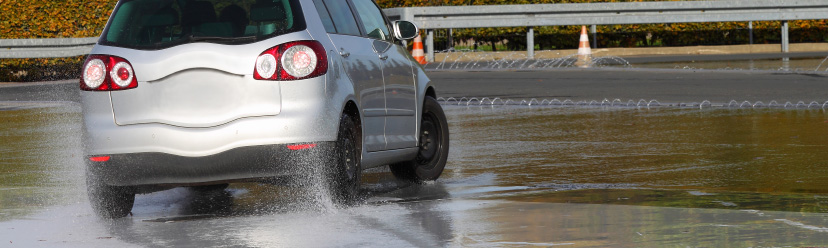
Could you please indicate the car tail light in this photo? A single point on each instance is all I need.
(107, 73)
(292, 61)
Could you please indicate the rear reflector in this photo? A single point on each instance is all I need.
(100, 159)
(301, 147)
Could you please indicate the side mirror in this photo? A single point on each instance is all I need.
(405, 30)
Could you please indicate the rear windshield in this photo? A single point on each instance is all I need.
(157, 24)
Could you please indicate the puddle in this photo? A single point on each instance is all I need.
(41, 150)
(517, 176)
(476, 61)
(769, 151)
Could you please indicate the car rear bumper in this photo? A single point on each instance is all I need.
(240, 164)
(307, 115)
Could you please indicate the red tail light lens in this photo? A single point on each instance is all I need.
(292, 61)
(107, 73)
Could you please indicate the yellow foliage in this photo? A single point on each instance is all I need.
(28, 19)
(32, 19)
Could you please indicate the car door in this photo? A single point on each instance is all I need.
(362, 65)
(399, 91)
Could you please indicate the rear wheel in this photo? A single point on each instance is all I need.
(210, 188)
(344, 178)
(434, 146)
(109, 201)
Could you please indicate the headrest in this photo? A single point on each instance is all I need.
(199, 12)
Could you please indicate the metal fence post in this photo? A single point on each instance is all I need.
(450, 39)
(430, 46)
(594, 30)
(530, 43)
(750, 31)
(785, 41)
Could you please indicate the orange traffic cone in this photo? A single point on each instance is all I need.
(584, 51)
(417, 52)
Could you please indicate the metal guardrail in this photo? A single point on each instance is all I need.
(530, 15)
(535, 15)
(46, 48)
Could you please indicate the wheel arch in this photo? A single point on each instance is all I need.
(430, 91)
(351, 109)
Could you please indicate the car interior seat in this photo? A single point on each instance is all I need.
(155, 25)
(237, 17)
(200, 19)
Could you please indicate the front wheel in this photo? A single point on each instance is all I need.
(434, 146)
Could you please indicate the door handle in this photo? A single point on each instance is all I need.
(344, 53)
(383, 56)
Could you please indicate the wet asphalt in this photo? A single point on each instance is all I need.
(665, 85)
(517, 176)
(672, 86)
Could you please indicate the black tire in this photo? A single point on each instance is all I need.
(434, 147)
(109, 202)
(345, 175)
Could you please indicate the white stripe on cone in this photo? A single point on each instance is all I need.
(583, 47)
(584, 51)
(417, 51)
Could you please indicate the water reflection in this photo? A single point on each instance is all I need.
(778, 151)
(420, 224)
(600, 225)
(517, 176)
(488, 61)
(40, 147)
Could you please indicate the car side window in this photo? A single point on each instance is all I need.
(372, 20)
(343, 18)
(325, 16)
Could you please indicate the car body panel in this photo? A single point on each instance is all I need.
(400, 98)
(197, 98)
(249, 163)
(199, 101)
(304, 118)
(197, 84)
(361, 64)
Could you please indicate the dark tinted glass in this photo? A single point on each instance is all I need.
(156, 24)
(323, 14)
(372, 19)
(342, 17)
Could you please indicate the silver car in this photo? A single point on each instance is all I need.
(201, 93)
